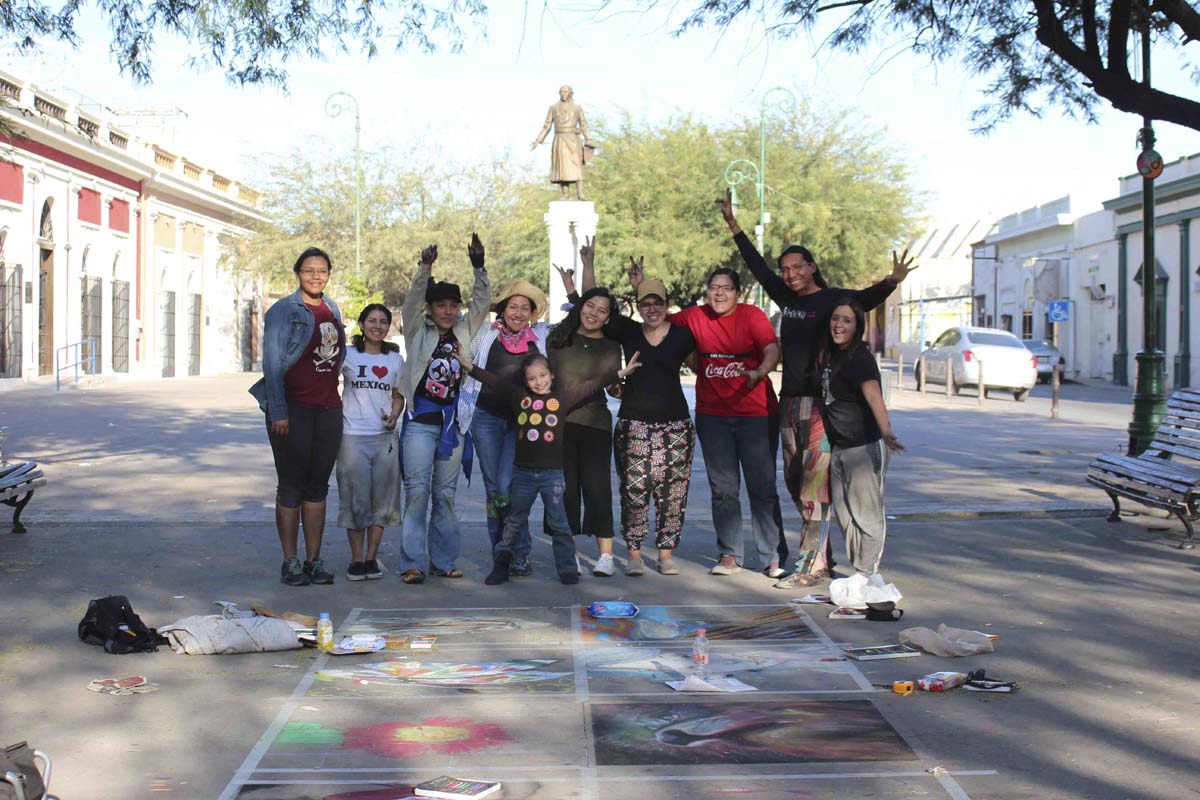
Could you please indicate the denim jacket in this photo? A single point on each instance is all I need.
(289, 328)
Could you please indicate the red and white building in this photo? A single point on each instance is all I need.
(116, 247)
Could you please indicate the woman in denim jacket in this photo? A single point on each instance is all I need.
(303, 347)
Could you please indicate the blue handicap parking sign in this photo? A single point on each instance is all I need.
(1059, 311)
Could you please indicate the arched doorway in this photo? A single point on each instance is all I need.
(46, 290)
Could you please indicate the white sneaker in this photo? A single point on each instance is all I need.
(726, 566)
(604, 566)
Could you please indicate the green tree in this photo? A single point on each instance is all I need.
(250, 40)
(1069, 54)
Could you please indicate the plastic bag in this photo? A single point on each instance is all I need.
(947, 641)
(858, 590)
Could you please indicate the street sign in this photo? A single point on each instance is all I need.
(1059, 310)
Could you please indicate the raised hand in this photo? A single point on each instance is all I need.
(726, 206)
(568, 278)
(901, 266)
(587, 252)
(630, 366)
(637, 271)
(475, 251)
(429, 255)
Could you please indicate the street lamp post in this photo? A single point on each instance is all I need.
(1149, 397)
(334, 108)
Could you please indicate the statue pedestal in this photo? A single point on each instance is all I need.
(568, 223)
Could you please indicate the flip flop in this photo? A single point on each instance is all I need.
(414, 576)
(448, 573)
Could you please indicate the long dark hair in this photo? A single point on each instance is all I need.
(807, 255)
(359, 341)
(564, 334)
(825, 346)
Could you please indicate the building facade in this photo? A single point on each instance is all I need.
(1093, 263)
(115, 252)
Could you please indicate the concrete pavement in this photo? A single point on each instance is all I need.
(1093, 617)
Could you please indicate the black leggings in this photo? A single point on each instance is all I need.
(305, 457)
(587, 462)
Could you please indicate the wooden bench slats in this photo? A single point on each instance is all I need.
(1155, 478)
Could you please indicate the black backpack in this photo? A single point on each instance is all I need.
(111, 623)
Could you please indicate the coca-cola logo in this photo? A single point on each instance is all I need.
(731, 370)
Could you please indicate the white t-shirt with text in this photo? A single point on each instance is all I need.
(367, 390)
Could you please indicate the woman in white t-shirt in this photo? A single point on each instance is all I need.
(368, 465)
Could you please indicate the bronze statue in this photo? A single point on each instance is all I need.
(567, 154)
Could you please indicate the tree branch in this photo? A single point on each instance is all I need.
(1182, 14)
(1113, 83)
(1118, 33)
(843, 4)
(1091, 42)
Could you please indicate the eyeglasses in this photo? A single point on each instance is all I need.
(722, 287)
(651, 304)
(786, 268)
(315, 273)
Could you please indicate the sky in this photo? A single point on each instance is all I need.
(491, 100)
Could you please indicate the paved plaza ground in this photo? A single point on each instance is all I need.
(162, 491)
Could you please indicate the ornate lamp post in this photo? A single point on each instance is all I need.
(334, 108)
(1149, 397)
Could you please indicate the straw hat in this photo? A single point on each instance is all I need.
(525, 289)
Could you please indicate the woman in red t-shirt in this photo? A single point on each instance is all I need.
(737, 419)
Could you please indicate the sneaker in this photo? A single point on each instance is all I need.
(521, 569)
(316, 572)
(726, 566)
(635, 567)
(604, 566)
(797, 580)
(501, 568)
(357, 571)
(773, 571)
(372, 569)
(292, 573)
(569, 578)
(666, 566)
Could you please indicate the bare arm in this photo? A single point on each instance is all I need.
(874, 396)
(587, 257)
(770, 360)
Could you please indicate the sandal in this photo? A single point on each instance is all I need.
(414, 575)
(448, 573)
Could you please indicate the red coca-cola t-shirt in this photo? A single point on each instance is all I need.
(312, 381)
(725, 345)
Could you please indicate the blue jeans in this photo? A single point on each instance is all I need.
(752, 444)
(435, 543)
(527, 485)
(495, 447)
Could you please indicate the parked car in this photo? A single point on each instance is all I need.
(1047, 356)
(1006, 363)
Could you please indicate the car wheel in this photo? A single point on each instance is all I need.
(1020, 394)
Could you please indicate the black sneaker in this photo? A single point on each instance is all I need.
(372, 569)
(520, 569)
(357, 571)
(316, 572)
(568, 578)
(292, 573)
(500, 569)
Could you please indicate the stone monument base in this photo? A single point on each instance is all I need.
(568, 224)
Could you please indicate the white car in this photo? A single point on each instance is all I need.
(1006, 363)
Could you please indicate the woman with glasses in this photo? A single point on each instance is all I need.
(304, 343)
(737, 418)
(804, 298)
(654, 439)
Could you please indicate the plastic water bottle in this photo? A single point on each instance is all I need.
(325, 633)
(700, 653)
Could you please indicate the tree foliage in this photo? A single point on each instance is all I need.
(830, 185)
(250, 40)
(1035, 53)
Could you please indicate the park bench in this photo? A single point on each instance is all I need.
(17, 482)
(1167, 474)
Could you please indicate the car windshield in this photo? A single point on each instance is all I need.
(995, 339)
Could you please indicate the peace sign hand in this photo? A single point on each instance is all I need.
(637, 271)
(630, 366)
(568, 278)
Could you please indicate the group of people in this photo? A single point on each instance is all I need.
(527, 401)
